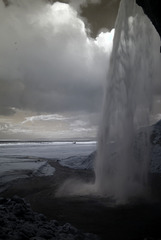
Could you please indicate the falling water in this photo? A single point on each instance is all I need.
(123, 148)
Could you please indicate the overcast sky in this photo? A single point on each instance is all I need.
(54, 60)
(52, 68)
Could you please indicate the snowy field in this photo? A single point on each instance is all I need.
(25, 159)
(19, 160)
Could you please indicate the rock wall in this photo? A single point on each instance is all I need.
(152, 10)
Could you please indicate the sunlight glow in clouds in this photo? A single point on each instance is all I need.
(105, 40)
(46, 117)
(48, 64)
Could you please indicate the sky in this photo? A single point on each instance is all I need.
(52, 70)
(54, 59)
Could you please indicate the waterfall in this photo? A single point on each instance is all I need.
(122, 162)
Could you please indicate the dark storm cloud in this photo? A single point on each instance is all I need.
(47, 62)
(97, 14)
(100, 16)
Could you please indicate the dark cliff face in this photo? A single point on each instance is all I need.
(153, 10)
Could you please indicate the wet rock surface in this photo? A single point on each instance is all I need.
(19, 222)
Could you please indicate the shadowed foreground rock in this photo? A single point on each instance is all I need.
(19, 222)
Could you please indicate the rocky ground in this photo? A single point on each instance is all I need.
(139, 220)
(19, 222)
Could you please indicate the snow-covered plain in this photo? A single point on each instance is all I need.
(24, 159)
